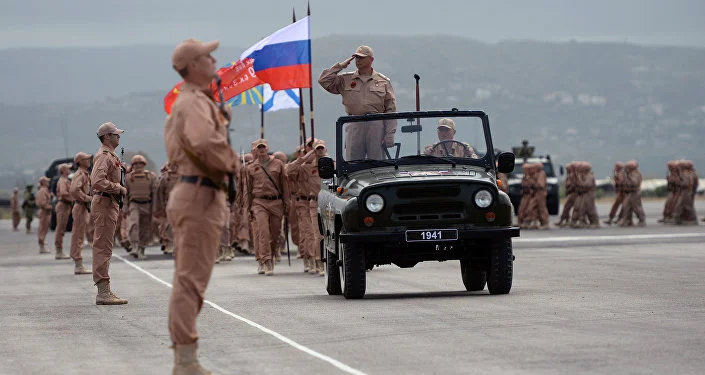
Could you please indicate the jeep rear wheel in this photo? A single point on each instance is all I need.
(499, 275)
(354, 282)
(332, 274)
(473, 279)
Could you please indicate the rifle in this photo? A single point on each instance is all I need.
(231, 179)
(122, 175)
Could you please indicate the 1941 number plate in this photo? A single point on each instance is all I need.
(431, 235)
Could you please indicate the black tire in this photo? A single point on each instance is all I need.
(333, 275)
(553, 206)
(473, 279)
(354, 282)
(499, 275)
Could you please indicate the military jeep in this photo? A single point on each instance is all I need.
(426, 199)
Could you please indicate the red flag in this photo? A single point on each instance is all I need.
(236, 78)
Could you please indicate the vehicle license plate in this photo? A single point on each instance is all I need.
(431, 235)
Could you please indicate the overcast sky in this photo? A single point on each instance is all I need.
(241, 23)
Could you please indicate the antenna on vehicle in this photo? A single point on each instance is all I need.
(418, 120)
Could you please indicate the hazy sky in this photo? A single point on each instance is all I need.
(241, 23)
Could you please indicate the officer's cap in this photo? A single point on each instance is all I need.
(189, 50)
(363, 51)
(108, 128)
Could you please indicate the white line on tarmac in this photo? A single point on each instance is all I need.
(341, 366)
(607, 238)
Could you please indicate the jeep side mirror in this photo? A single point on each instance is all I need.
(326, 168)
(562, 170)
(505, 162)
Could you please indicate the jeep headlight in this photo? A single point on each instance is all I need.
(483, 198)
(374, 203)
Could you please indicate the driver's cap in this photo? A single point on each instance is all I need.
(446, 123)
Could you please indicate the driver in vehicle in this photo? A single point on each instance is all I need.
(446, 145)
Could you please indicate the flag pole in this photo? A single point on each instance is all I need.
(261, 121)
(302, 119)
(310, 73)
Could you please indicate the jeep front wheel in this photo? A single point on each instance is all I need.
(354, 282)
(474, 279)
(499, 275)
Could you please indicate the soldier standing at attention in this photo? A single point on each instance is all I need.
(15, 208)
(140, 184)
(63, 209)
(364, 91)
(267, 195)
(80, 194)
(44, 205)
(619, 197)
(195, 138)
(29, 205)
(105, 208)
(165, 185)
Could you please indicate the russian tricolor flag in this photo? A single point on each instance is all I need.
(283, 59)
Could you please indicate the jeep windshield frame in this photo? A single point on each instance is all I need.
(344, 167)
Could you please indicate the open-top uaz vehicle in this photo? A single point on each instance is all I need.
(420, 202)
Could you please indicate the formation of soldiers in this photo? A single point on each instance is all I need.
(579, 210)
(533, 213)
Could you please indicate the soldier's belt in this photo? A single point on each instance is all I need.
(200, 180)
(141, 201)
(269, 197)
(64, 201)
(109, 195)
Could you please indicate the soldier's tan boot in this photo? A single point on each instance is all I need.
(107, 297)
(79, 269)
(321, 269)
(608, 221)
(269, 268)
(307, 263)
(186, 361)
(227, 256)
(60, 254)
(140, 253)
(260, 268)
(42, 249)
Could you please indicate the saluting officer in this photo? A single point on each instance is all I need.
(363, 91)
(105, 208)
(195, 137)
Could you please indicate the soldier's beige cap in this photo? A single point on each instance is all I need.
(258, 142)
(318, 143)
(189, 50)
(138, 159)
(44, 180)
(363, 51)
(81, 156)
(446, 123)
(618, 165)
(108, 128)
(64, 167)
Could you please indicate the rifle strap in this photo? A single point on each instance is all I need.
(270, 179)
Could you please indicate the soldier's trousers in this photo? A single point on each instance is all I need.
(225, 235)
(316, 235)
(16, 217)
(90, 229)
(619, 198)
(294, 222)
(591, 208)
(104, 214)
(29, 216)
(62, 219)
(364, 139)
(579, 209)
(267, 227)
(243, 228)
(536, 209)
(166, 233)
(78, 231)
(670, 204)
(197, 214)
(632, 206)
(523, 205)
(684, 209)
(306, 234)
(139, 224)
(44, 221)
(569, 203)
